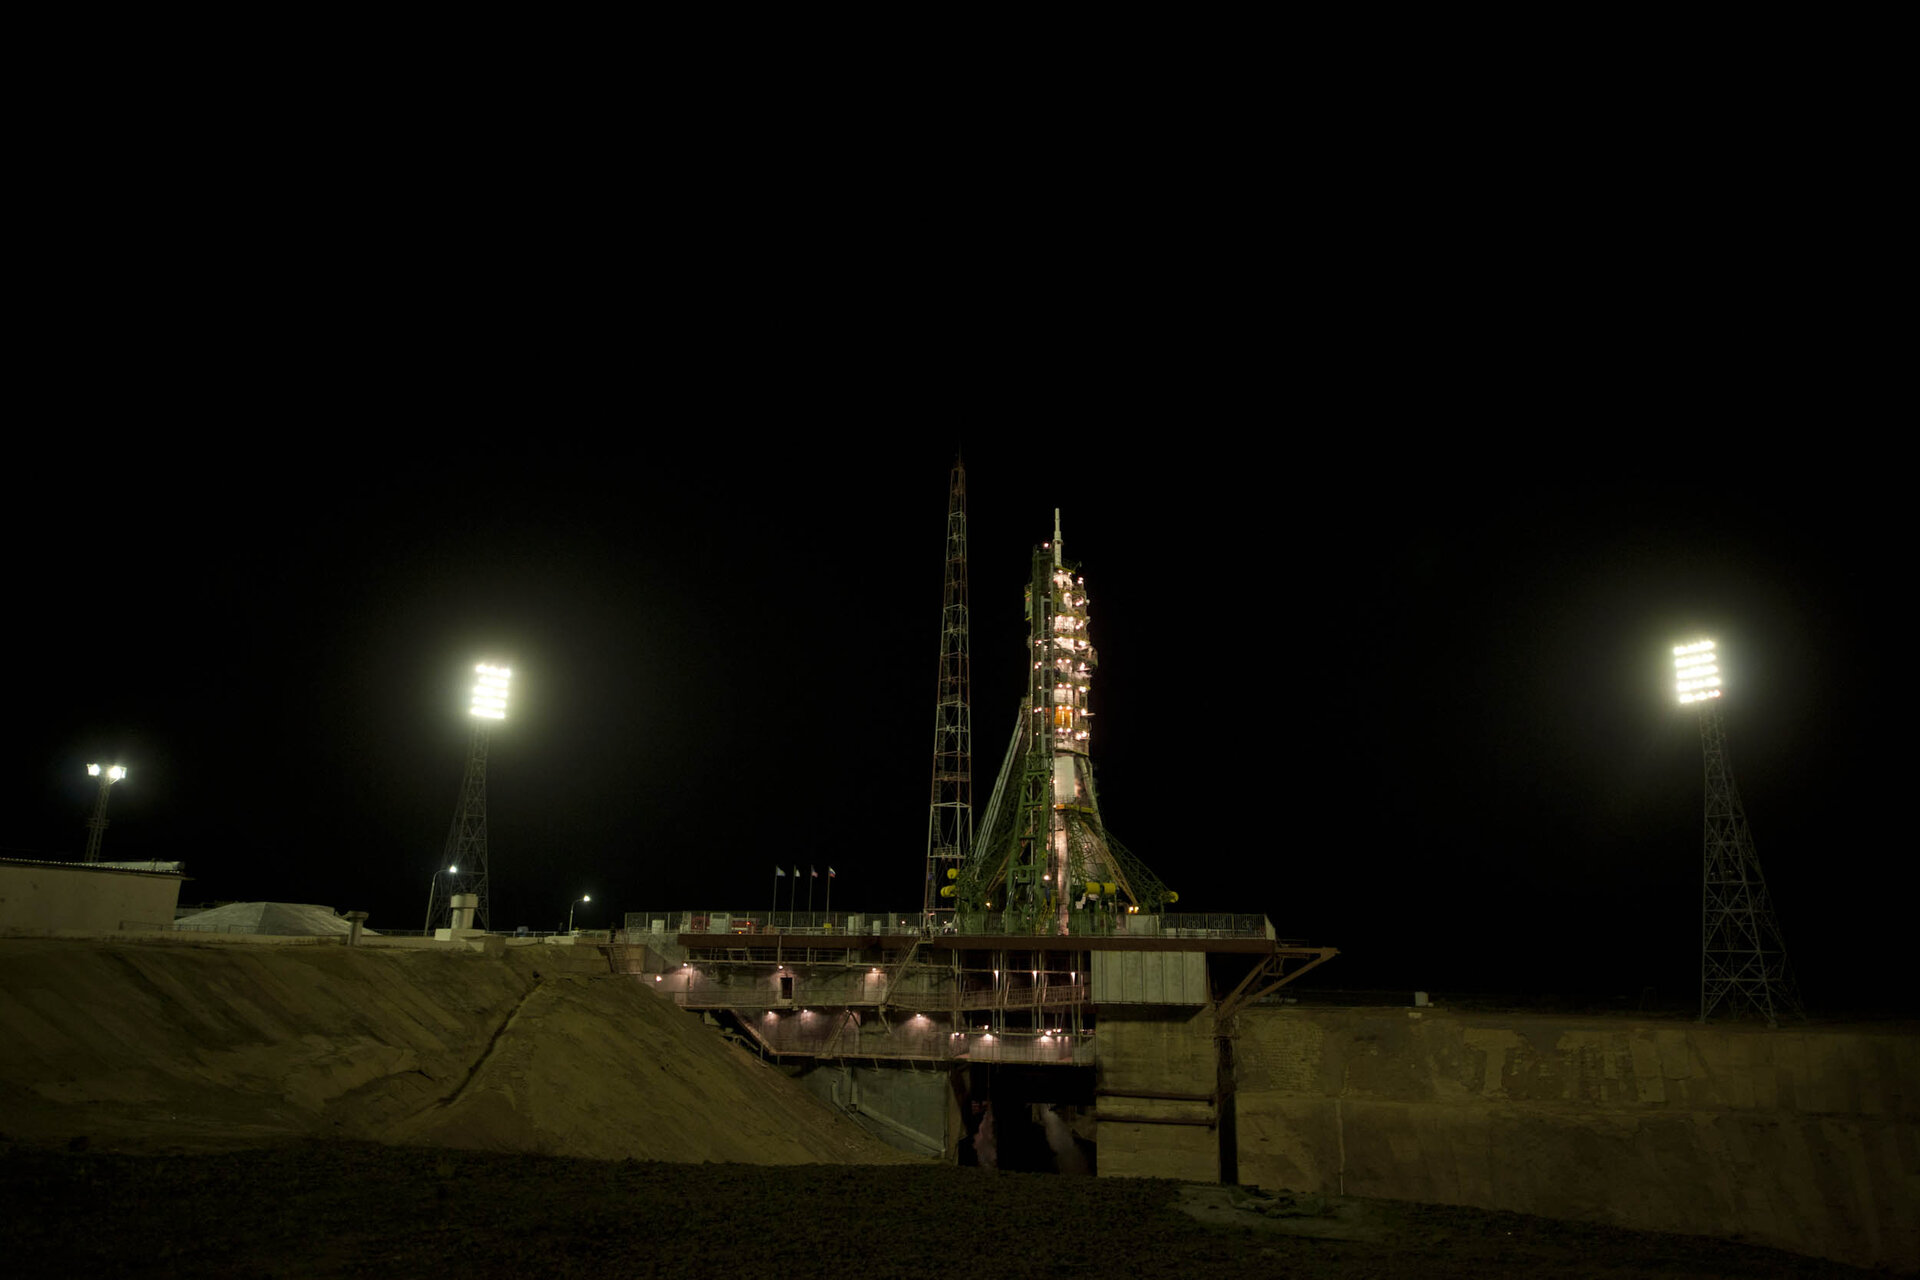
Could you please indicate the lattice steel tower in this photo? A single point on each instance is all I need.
(950, 814)
(1044, 857)
(466, 849)
(1743, 960)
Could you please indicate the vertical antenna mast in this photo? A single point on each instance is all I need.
(950, 815)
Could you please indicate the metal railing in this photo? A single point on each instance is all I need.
(837, 1034)
(848, 924)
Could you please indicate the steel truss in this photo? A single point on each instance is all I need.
(467, 839)
(1743, 960)
(950, 813)
(1267, 977)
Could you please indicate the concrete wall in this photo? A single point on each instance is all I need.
(1150, 977)
(1804, 1139)
(910, 1110)
(38, 898)
(1155, 1078)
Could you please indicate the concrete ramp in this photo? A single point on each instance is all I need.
(169, 1045)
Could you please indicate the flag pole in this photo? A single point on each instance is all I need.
(812, 875)
(775, 905)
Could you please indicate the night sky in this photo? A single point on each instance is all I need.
(1409, 702)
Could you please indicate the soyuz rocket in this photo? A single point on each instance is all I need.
(1045, 858)
(1064, 660)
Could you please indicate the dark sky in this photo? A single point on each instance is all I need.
(1405, 699)
(1398, 447)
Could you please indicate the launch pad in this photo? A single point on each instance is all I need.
(856, 986)
(1044, 976)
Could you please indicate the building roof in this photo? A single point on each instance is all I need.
(279, 919)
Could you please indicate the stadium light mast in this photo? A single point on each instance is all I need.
(1743, 960)
(97, 823)
(465, 856)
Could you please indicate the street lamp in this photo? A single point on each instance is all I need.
(432, 881)
(97, 824)
(585, 897)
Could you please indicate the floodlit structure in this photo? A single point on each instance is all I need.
(1743, 960)
(466, 853)
(1039, 957)
(950, 813)
(1044, 860)
(97, 822)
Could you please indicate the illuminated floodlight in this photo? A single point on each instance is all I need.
(490, 692)
(97, 824)
(1696, 671)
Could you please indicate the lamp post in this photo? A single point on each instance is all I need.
(432, 881)
(97, 824)
(585, 897)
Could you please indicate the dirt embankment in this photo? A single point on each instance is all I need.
(172, 1046)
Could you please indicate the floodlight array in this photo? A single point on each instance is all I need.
(1696, 671)
(115, 772)
(490, 692)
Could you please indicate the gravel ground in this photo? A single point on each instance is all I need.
(349, 1209)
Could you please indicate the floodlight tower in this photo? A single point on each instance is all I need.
(1044, 855)
(97, 823)
(1743, 960)
(950, 814)
(466, 853)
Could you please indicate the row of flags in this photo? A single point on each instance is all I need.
(810, 871)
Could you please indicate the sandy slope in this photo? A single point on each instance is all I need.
(172, 1045)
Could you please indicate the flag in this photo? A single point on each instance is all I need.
(777, 871)
(796, 871)
(831, 873)
(813, 872)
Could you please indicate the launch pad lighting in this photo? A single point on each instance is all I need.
(97, 824)
(490, 692)
(1696, 671)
